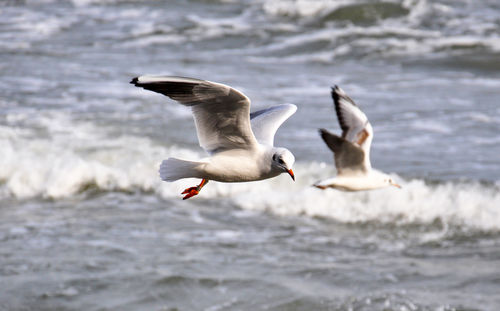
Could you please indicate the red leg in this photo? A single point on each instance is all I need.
(192, 191)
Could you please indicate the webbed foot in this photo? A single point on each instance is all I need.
(192, 191)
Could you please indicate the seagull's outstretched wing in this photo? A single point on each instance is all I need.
(221, 113)
(349, 157)
(266, 122)
(355, 125)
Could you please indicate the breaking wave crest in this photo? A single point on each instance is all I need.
(464, 204)
(381, 28)
(73, 157)
(290, 30)
(59, 157)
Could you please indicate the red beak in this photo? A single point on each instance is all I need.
(290, 172)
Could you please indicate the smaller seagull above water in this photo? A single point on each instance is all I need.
(240, 143)
(352, 150)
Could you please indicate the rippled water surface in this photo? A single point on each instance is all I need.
(86, 224)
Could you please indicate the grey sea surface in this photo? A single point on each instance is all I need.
(86, 223)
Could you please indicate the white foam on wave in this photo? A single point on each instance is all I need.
(319, 57)
(153, 32)
(57, 157)
(432, 126)
(470, 205)
(351, 39)
(51, 155)
(34, 25)
(302, 8)
(221, 27)
(155, 40)
(427, 29)
(80, 3)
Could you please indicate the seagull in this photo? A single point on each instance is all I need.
(240, 143)
(352, 150)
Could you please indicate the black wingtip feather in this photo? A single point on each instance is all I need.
(336, 98)
(324, 135)
(335, 95)
(179, 91)
(331, 140)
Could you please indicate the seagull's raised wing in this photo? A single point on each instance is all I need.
(355, 125)
(349, 157)
(266, 122)
(221, 113)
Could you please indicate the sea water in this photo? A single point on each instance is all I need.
(86, 223)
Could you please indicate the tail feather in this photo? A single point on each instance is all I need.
(173, 169)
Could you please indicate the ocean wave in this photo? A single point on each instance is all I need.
(383, 28)
(464, 204)
(58, 157)
(80, 3)
(327, 45)
(295, 31)
(34, 25)
(357, 12)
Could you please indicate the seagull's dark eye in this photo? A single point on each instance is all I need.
(274, 157)
(281, 161)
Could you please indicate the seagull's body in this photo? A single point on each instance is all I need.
(237, 165)
(352, 150)
(240, 143)
(368, 181)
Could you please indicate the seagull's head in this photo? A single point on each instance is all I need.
(283, 161)
(390, 182)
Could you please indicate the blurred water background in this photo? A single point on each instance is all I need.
(86, 224)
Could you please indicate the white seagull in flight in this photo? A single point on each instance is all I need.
(352, 150)
(240, 143)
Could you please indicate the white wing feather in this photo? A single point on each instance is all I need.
(266, 122)
(221, 113)
(355, 125)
